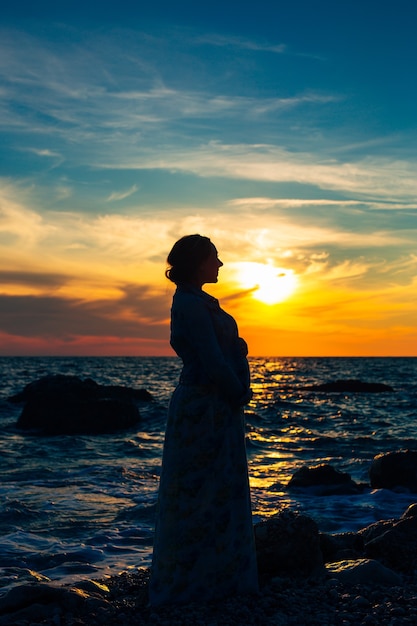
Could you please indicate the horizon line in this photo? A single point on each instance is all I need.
(174, 356)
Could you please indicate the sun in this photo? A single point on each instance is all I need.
(269, 284)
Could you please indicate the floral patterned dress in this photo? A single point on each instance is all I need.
(204, 542)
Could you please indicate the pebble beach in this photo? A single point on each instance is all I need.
(122, 600)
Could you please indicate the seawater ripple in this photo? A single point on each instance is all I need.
(83, 506)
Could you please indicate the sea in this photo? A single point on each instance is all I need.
(82, 507)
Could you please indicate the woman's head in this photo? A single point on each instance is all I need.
(190, 258)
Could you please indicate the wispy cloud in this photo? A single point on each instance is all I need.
(45, 153)
(19, 222)
(99, 93)
(96, 107)
(122, 195)
(285, 203)
(240, 43)
(371, 177)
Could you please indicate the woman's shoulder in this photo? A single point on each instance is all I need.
(182, 294)
(186, 299)
(185, 293)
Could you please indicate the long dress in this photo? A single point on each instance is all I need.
(204, 545)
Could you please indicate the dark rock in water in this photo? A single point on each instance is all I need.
(393, 543)
(54, 416)
(351, 385)
(60, 404)
(61, 383)
(392, 470)
(288, 544)
(323, 479)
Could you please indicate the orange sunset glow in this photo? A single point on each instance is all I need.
(96, 285)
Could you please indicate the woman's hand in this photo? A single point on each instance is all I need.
(246, 398)
(243, 346)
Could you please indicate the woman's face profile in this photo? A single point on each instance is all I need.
(209, 269)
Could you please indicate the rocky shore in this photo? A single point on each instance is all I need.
(327, 601)
(308, 578)
(281, 602)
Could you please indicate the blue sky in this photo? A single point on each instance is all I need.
(285, 131)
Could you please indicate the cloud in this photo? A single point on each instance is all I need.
(161, 104)
(122, 195)
(114, 102)
(374, 177)
(111, 91)
(81, 243)
(139, 313)
(32, 279)
(63, 192)
(265, 203)
(45, 153)
(342, 271)
(98, 253)
(240, 43)
(17, 220)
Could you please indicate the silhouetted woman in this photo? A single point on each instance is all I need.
(204, 543)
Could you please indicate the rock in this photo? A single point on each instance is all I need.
(351, 385)
(393, 543)
(288, 544)
(363, 572)
(376, 529)
(61, 383)
(56, 405)
(391, 470)
(323, 479)
(44, 600)
(341, 546)
(71, 417)
(411, 511)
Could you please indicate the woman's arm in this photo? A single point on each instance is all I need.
(197, 323)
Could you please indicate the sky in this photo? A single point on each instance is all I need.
(284, 131)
